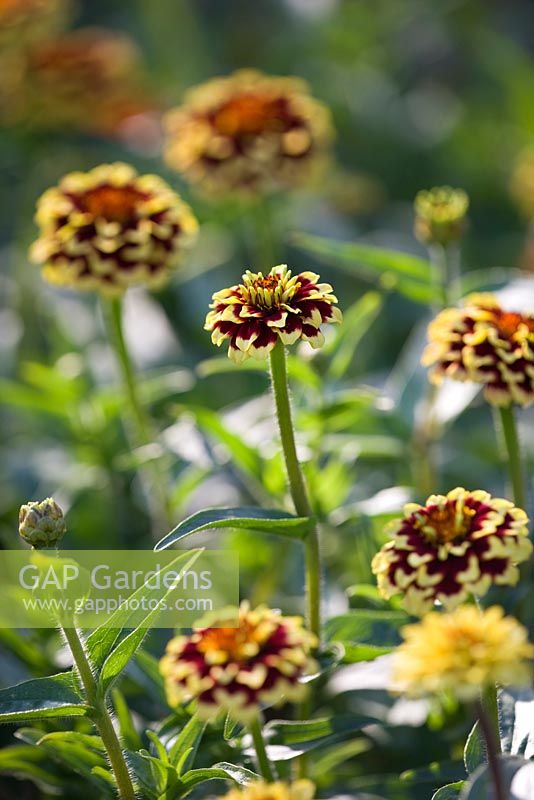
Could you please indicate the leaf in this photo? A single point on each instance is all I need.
(129, 734)
(101, 642)
(367, 626)
(356, 322)
(186, 744)
(286, 739)
(449, 792)
(152, 774)
(258, 519)
(231, 728)
(437, 771)
(127, 647)
(42, 698)
(480, 786)
(403, 272)
(221, 771)
(475, 749)
(27, 761)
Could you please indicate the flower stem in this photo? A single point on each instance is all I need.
(513, 452)
(264, 764)
(100, 715)
(138, 422)
(489, 722)
(297, 486)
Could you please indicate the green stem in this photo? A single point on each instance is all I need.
(141, 432)
(100, 715)
(264, 764)
(513, 452)
(489, 723)
(440, 274)
(297, 485)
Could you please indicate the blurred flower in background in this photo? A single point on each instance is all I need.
(463, 652)
(259, 790)
(440, 215)
(482, 342)
(89, 79)
(248, 133)
(261, 659)
(255, 314)
(456, 545)
(110, 228)
(24, 22)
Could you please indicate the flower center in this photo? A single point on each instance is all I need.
(232, 644)
(248, 113)
(113, 203)
(269, 291)
(509, 322)
(447, 524)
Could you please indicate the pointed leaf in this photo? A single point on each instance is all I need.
(287, 740)
(187, 742)
(42, 698)
(475, 749)
(258, 519)
(449, 792)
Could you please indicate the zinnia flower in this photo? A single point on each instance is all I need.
(248, 133)
(110, 228)
(463, 652)
(257, 313)
(237, 669)
(482, 342)
(88, 79)
(23, 22)
(259, 790)
(42, 524)
(440, 214)
(454, 546)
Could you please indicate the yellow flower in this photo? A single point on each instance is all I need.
(255, 314)
(440, 214)
(463, 652)
(259, 790)
(109, 228)
(454, 546)
(482, 342)
(247, 133)
(260, 660)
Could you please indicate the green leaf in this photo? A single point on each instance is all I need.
(129, 734)
(449, 792)
(42, 698)
(257, 519)
(475, 749)
(286, 739)
(119, 657)
(221, 771)
(28, 762)
(231, 728)
(184, 748)
(403, 272)
(356, 322)
(480, 785)
(367, 627)
(104, 639)
(152, 775)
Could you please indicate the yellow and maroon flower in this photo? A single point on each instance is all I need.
(24, 22)
(248, 132)
(260, 790)
(456, 545)
(109, 228)
(482, 342)
(89, 79)
(440, 215)
(260, 661)
(254, 315)
(463, 652)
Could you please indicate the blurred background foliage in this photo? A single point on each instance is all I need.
(421, 94)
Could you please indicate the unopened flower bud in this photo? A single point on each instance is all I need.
(42, 524)
(440, 215)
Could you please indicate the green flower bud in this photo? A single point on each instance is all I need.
(41, 524)
(440, 215)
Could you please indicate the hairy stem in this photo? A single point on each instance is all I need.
(489, 723)
(138, 423)
(100, 715)
(297, 486)
(264, 764)
(511, 446)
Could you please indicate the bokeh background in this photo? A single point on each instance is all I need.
(421, 94)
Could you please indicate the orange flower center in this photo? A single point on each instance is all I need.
(234, 643)
(248, 113)
(448, 524)
(113, 203)
(509, 322)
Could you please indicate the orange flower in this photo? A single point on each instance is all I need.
(109, 228)
(247, 133)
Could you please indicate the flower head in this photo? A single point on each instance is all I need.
(41, 524)
(260, 660)
(440, 214)
(482, 342)
(456, 545)
(259, 790)
(247, 132)
(110, 228)
(255, 314)
(23, 22)
(463, 652)
(88, 79)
